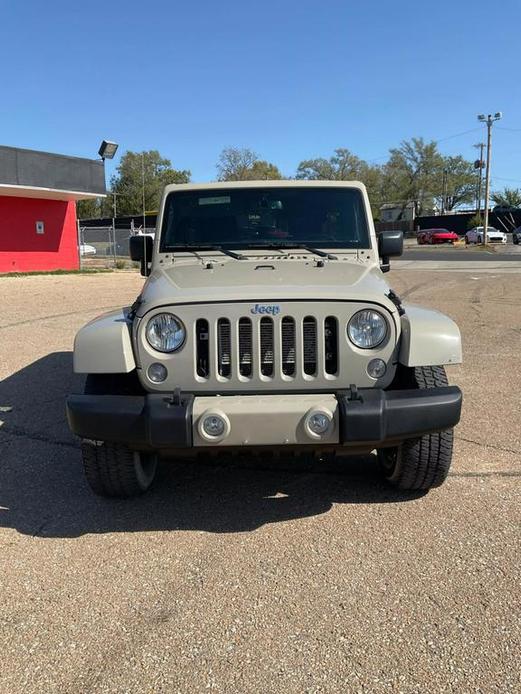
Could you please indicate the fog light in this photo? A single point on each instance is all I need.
(214, 425)
(318, 423)
(157, 373)
(376, 368)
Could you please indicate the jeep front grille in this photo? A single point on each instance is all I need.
(266, 348)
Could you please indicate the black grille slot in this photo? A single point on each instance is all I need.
(245, 347)
(331, 345)
(224, 347)
(202, 348)
(309, 336)
(288, 346)
(266, 347)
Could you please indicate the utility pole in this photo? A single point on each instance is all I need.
(114, 226)
(444, 191)
(478, 164)
(143, 186)
(488, 120)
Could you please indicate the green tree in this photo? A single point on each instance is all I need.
(236, 164)
(157, 172)
(508, 197)
(343, 165)
(475, 221)
(461, 182)
(88, 209)
(413, 174)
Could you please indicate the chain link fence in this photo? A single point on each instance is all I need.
(107, 247)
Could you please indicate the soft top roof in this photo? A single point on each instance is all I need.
(284, 183)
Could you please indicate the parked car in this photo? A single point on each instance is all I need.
(87, 249)
(436, 236)
(475, 235)
(516, 236)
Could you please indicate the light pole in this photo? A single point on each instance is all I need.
(488, 120)
(107, 150)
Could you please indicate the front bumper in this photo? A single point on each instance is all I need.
(367, 418)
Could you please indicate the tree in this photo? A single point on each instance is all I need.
(128, 182)
(413, 173)
(508, 197)
(88, 209)
(460, 182)
(236, 164)
(343, 165)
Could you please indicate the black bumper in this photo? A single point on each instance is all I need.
(369, 417)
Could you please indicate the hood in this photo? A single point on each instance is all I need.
(265, 279)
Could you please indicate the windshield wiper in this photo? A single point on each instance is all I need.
(322, 254)
(197, 247)
(285, 246)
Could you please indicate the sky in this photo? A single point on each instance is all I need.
(290, 80)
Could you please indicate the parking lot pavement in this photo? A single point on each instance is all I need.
(255, 578)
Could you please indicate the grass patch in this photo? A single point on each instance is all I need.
(87, 271)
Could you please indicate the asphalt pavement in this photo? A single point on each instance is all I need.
(258, 577)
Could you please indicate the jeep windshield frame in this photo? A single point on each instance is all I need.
(256, 217)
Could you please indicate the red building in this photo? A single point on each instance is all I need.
(38, 193)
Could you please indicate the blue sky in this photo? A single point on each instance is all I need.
(291, 80)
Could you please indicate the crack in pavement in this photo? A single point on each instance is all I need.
(35, 436)
(488, 445)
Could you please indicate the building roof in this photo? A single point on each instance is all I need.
(31, 174)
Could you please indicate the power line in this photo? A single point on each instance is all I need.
(450, 137)
(437, 140)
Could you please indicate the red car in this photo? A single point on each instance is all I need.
(436, 236)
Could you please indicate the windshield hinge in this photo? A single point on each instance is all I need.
(393, 296)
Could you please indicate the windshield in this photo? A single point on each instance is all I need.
(274, 217)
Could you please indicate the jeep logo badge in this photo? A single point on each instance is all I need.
(271, 309)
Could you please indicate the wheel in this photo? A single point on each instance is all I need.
(424, 462)
(112, 469)
(466, 240)
(515, 240)
(479, 239)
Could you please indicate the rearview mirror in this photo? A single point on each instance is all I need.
(390, 244)
(141, 247)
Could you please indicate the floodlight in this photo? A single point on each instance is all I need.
(498, 115)
(481, 116)
(107, 149)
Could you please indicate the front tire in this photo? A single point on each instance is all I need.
(421, 463)
(113, 470)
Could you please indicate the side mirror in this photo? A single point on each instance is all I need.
(390, 244)
(141, 248)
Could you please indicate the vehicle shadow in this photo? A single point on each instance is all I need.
(43, 492)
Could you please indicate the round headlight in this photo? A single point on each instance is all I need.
(367, 329)
(165, 332)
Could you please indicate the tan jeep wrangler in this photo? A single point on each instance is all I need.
(265, 323)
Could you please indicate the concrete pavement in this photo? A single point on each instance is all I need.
(258, 578)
